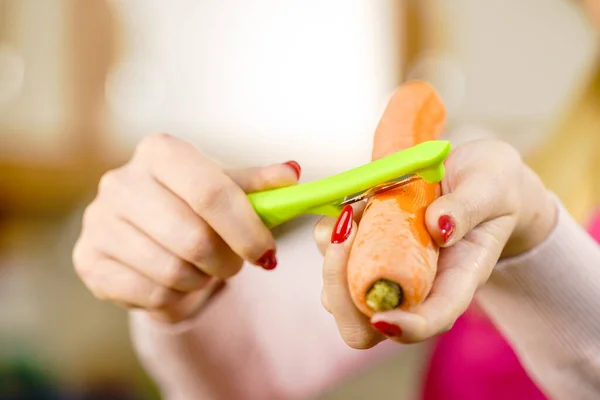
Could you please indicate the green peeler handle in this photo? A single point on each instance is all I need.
(324, 196)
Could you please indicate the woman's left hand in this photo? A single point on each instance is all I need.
(492, 206)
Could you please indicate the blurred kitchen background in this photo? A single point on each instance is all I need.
(82, 81)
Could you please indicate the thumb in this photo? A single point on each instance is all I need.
(264, 178)
(324, 227)
(473, 197)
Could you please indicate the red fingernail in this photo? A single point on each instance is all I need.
(268, 261)
(343, 226)
(388, 329)
(447, 226)
(295, 166)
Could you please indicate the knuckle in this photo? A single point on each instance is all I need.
(322, 231)
(330, 277)
(512, 200)
(211, 197)
(466, 272)
(265, 178)
(81, 259)
(229, 270)
(109, 181)
(412, 339)
(96, 287)
(198, 245)
(89, 215)
(470, 213)
(84, 264)
(150, 144)
(511, 152)
(325, 301)
(447, 327)
(161, 298)
(174, 272)
(357, 338)
(99, 293)
(258, 179)
(252, 251)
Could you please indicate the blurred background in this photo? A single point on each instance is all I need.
(82, 81)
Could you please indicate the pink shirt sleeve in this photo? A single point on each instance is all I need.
(547, 304)
(595, 227)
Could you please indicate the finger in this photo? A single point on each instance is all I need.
(211, 194)
(354, 327)
(123, 242)
(324, 227)
(271, 177)
(462, 269)
(168, 221)
(192, 304)
(324, 301)
(472, 195)
(112, 281)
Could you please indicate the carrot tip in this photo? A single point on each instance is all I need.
(384, 295)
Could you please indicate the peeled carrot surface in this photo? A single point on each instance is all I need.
(393, 261)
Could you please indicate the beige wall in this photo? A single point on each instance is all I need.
(510, 66)
(235, 69)
(518, 62)
(34, 100)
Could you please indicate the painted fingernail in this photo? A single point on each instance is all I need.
(343, 226)
(387, 329)
(268, 260)
(295, 166)
(447, 226)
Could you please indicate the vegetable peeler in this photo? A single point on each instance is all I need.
(328, 196)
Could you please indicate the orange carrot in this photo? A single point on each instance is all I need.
(393, 261)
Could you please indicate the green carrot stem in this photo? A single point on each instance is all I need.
(384, 295)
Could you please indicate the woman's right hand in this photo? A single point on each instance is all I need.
(169, 226)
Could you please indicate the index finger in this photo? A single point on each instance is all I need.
(211, 194)
(354, 327)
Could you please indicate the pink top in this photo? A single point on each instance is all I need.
(267, 337)
(459, 369)
(473, 361)
(595, 227)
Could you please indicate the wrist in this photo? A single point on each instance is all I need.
(536, 219)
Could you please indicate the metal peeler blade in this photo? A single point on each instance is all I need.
(382, 187)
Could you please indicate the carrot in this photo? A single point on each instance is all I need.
(393, 261)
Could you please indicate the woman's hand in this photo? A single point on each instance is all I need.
(492, 206)
(168, 227)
